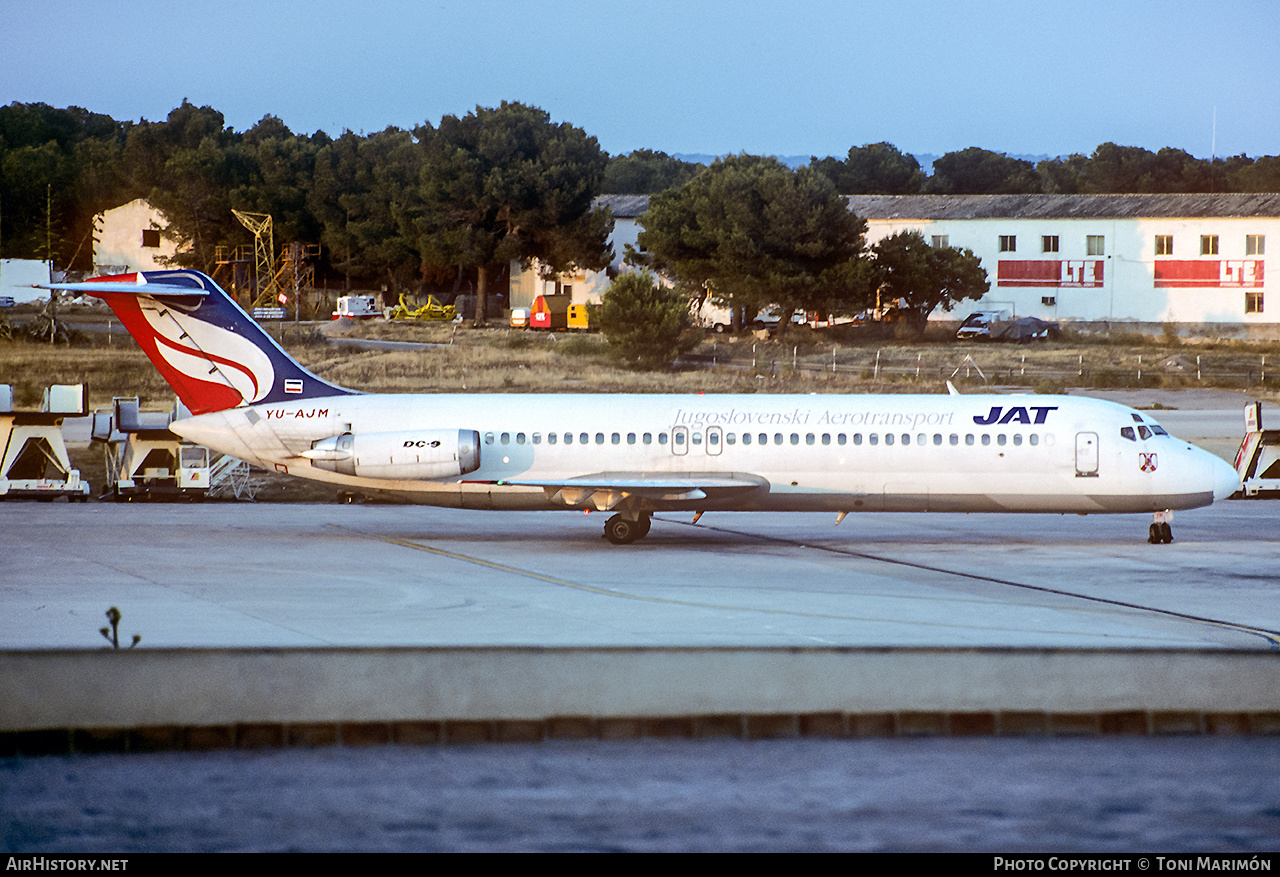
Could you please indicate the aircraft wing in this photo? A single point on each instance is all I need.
(608, 490)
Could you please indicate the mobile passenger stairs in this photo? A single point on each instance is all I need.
(1258, 460)
(147, 461)
(33, 453)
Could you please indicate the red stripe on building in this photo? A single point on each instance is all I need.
(1187, 273)
(1049, 273)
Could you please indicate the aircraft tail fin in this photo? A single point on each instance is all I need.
(210, 351)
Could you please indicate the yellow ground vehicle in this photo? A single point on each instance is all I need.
(432, 310)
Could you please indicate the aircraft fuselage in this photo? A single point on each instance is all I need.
(981, 453)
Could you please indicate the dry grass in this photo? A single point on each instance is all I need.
(117, 369)
(503, 360)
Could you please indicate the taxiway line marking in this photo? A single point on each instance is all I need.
(1272, 637)
(513, 570)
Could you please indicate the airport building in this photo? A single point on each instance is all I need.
(131, 237)
(1195, 261)
(584, 287)
(1140, 261)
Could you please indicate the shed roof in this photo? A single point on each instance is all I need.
(1064, 206)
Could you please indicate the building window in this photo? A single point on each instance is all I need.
(1208, 245)
(1049, 243)
(151, 237)
(941, 240)
(1253, 302)
(1008, 243)
(1164, 245)
(1255, 244)
(1095, 244)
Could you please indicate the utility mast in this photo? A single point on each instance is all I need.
(264, 263)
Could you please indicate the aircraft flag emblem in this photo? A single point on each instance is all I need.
(1148, 463)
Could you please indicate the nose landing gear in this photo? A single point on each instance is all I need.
(1160, 532)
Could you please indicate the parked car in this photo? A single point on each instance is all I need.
(977, 326)
(770, 317)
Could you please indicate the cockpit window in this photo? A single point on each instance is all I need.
(1127, 432)
(1144, 432)
(1137, 418)
(1158, 429)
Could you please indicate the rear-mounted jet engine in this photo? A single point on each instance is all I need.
(411, 455)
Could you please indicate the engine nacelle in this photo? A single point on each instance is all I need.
(426, 454)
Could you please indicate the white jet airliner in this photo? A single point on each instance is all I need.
(638, 454)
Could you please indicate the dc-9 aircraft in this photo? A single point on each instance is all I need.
(634, 455)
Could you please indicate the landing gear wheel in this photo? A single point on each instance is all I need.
(644, 522)
(1159, 532)
(620, 531)
(1166, 533)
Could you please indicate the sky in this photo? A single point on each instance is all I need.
(682, 76)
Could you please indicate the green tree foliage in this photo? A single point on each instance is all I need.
(645, 172)
(873, 169)
(508, 184)
(1132, 169)
(58, 167)
(191, 164)
(645, 323)
(756, 233)
(923, 278)
(363, 195)
(975, 171)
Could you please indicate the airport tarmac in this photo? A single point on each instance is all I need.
(222, 575)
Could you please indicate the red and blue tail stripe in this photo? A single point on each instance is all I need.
(210, 351)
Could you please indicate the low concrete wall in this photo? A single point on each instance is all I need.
(527, 693)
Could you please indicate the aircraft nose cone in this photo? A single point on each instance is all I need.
(1225, 479)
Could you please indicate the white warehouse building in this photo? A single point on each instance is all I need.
(1147, 261)
(1143, 262)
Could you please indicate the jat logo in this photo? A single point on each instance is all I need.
(1015, 414)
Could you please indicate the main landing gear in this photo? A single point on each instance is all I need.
(1160, 532)
(621, 530)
